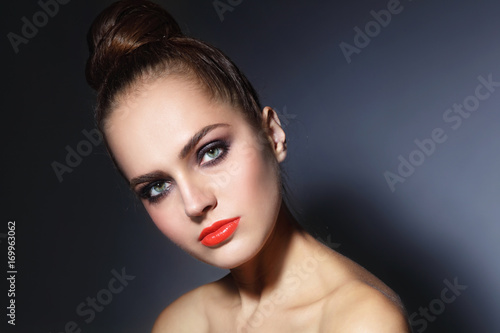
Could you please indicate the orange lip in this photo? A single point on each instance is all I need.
(218, 232)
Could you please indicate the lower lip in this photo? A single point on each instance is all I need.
(221, 234)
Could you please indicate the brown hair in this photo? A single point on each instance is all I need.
(135, 39)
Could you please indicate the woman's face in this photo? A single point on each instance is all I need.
(195, 162)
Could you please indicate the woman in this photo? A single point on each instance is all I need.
(186, 130)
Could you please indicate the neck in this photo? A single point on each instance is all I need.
(263, 273)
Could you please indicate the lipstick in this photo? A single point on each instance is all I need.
(218, 232)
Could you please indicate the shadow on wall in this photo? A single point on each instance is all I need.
(361, 232)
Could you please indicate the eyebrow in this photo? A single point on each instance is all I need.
(193, 141)
(149, 177)
(197, 137)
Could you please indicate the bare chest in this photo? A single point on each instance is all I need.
(269, 318)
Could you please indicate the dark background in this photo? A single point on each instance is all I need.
(347, 124)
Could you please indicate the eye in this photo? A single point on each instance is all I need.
(158, 188)
(212, 153)
(155, 191)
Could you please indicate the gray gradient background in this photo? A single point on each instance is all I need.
(347, 124)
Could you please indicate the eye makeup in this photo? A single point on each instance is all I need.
(162, 187)
(216, 151)
(207, 156)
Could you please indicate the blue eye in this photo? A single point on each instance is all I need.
(213, 152)
(155, 191)
(158, 188)
(208, 155)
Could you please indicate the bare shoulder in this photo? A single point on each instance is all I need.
(361, 307)
(191, 312)
(188, 312)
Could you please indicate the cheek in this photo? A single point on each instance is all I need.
(171, 223)
(254, 180)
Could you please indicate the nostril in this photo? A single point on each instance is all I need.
(199, 205)
(197, 200)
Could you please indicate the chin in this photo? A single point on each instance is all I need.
(233, 254)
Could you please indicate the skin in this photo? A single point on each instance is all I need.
(281, 279)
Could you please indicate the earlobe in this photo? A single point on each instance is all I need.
(275, 133)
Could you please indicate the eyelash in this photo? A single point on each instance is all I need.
(145, 191)
(218, 144)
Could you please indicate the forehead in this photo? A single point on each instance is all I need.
(162, 102)
(159, 118)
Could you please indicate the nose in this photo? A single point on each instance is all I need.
(197, 198)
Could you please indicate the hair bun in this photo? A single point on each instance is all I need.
(121, 29)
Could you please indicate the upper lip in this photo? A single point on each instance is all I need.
(215, 226)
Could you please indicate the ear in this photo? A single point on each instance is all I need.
(275, 133)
